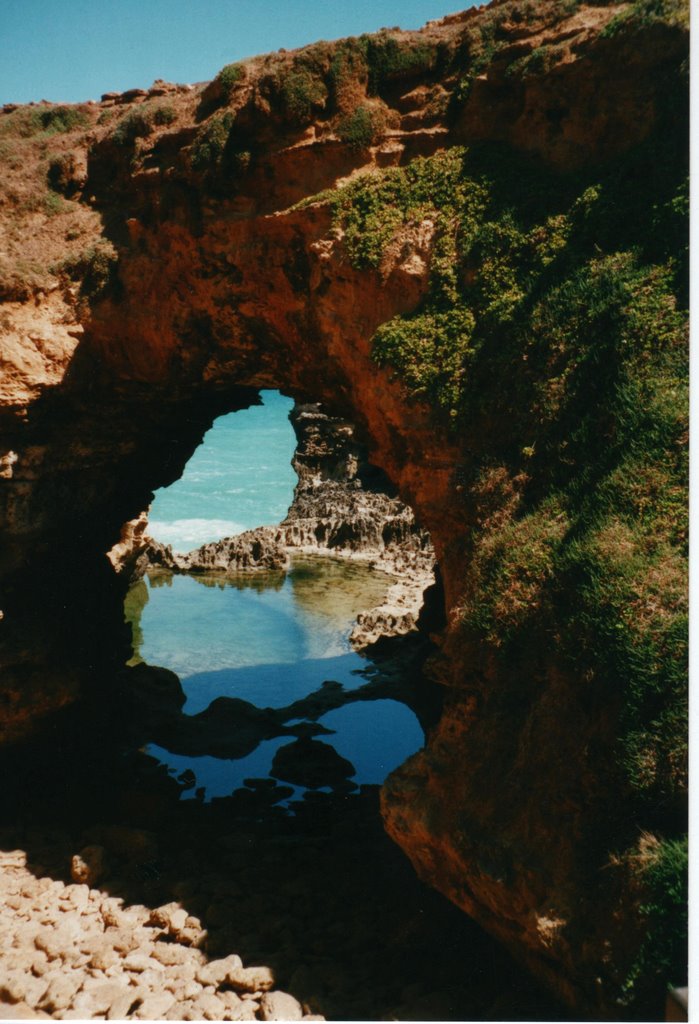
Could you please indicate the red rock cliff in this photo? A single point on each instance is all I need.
(186, 255)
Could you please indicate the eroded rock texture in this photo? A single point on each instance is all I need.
(342, 506)
(342, 503)
(189, 253)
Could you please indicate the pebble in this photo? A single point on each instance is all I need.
(88, 865)
(70, 952)
(171, 953)
(120, 1006)
(208, 1006)
(155, 1007)
(62, 988)
(192, 989)
(216, 972)
(20, 1011)
(280, 1006)
(121, 939)
(141, 962)
(104, 957)
(251, 979)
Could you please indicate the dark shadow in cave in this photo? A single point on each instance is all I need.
(323, 897)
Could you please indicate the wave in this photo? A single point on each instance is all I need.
(185, 534)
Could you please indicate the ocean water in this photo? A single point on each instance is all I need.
(269, 639)
(239, 478)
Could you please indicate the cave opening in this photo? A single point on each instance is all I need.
(278, 683)
(296, 877)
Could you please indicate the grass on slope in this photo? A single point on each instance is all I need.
(553, 342)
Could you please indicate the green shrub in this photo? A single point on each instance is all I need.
(53, 203)
(430, 352)
(228, 77)
(362, 127)
(301, 92)
(20, 279)
(94, 268)
(661, 871)
(61, 119)
(371, 209)
(163, 115)
(44, 120)
(140, 123)
(348, 73)
(478, 62)
(137, 124)
(389, 58)
(643, 13)
(512, 573)
(538, 62)
(211, 141)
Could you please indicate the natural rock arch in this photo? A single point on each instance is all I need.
(217, 268)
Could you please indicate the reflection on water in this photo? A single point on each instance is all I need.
(376, 736)
(219, 775)
(271, 640)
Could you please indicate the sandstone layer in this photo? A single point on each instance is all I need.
(196, 245)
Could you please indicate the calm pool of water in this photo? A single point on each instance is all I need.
(267, 639)
(272, 640)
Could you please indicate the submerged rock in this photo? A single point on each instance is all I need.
(310, 763)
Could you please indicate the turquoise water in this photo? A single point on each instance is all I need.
(239, 478)
(269, 639)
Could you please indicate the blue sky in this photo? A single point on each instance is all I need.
(73, 50)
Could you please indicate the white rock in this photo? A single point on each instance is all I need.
(171, 954)
(120, 1006)
(216, 972)
(280, 1006)
(162, 917)
(104, 957)
(79, 896)
(209, 1007)
(251, 979)
(34, 990)
(191, 990)
(155, 1006)
(141, 962)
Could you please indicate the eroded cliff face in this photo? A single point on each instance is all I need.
(191, 249)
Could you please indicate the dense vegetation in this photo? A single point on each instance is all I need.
(552, 344)
(553, 341)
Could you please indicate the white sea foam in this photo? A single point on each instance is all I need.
(185, 534)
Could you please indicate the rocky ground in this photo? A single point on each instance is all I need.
(75, 952)
(146, 907)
